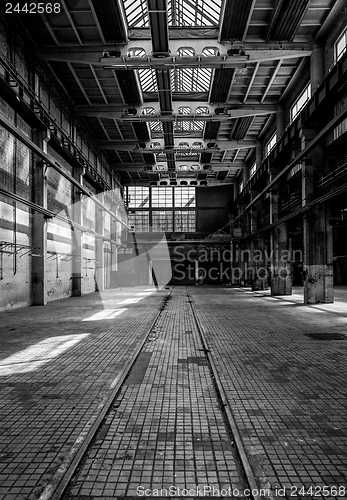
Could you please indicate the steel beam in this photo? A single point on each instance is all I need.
(217, 146)
(101, 55)
(121, 113)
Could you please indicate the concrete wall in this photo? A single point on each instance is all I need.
(18, 164)
(213, 208)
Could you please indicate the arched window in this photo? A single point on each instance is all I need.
(136, 52)
(185, 52)
(202, 110)
(148, 111)
(184, 110)
(210, 51)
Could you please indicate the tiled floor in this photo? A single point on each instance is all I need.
(287, 391)
(167, 429)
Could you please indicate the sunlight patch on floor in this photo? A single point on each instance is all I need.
(37, 355)
(105, 314)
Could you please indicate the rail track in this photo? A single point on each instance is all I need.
(95, 450)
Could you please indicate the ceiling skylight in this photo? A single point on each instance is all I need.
(148, 80)
(191, 80)
(180, 13)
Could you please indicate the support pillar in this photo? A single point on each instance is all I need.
(39, 225)
(245, 175)
(280, 122)
(259, 153)
(316, 66)
(99, 247)
(281, 279)
(235, 189)
(259, 264)
(318, 257)
(77, 235)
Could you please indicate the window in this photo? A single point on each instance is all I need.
(300, 103)
(138, 196)
(185, 197)
(253, 169)
(185, 221)
(270, 144)
(162, 197)
(139, 220)
(162, 221)
(341, 46)
(340, 129)
(241, 187)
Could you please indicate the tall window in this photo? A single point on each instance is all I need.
(184, 221)
(300, 103)
(253, 169)
(241, 186)
(270, 144)
(184, 197)
(162, 197)
(162, 208)
(139, 220)
(138, 197)
(341, 46)
(162, 220)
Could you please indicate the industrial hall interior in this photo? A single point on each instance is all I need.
(173, 250)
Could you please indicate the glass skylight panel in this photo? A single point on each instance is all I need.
(180, 13)
(191, 80)
(189, 126)
(137, 13)
(156, 126)
(197, 13)
(148, 80)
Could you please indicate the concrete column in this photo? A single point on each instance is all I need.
(317, 258)
(99, 246)
(254, 221)
(258, 264)
(317, 66)
(236, 265)
(259, 153)
(280, 123)
(236, 189)
(273, 205)
(39, 225)
(245, 175)
(77, 235)
(281, 279)
(261, 265)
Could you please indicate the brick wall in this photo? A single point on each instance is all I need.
(17, 164)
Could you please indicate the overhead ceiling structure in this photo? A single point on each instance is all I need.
(179, 88)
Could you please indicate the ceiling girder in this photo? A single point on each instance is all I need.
(230, 115)
(111, 19)
(219, 146)
(228, 111)
(213, 165)
(240, 12)
(286, 19)
(198, 61)
(94, 55)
